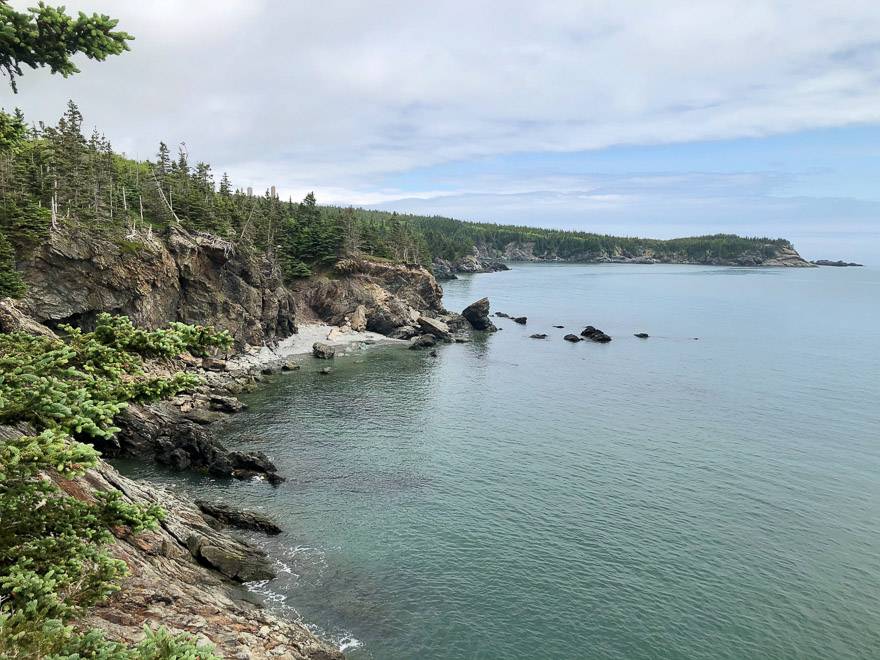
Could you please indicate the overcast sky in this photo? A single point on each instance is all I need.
(654, 118)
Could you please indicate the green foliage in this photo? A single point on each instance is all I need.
(53, 557)
(53, 176)
(11, 284)
(47, 36)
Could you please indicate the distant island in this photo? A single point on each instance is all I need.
(838, 264)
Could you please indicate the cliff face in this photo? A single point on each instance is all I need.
(181, 277)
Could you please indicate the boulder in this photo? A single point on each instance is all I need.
(642, 335)
(358, 320)
(435, 327)
(538, 335)
(594, 334)
(325, 371)
(519, 319)
(502, 315)
(323, 350)
(422, 341)
(572, 338)
(558, 326)
(477, 314)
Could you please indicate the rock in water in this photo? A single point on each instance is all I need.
(502, 315)
(594, 334)
(572, 338)
(326, 370)
(538, 335)
(358, 320)
(558, 326)
(241, 518)
(519, 319)
(435, 327)
(323, 350)
(477, 315)
(642, 335)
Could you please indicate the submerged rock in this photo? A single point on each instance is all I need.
(323, 350)
(477, 314)
(502, 315)
(558, 326)
(519, 319)
(538, 335)
(594, 334)
(642, 335)
(572, 338)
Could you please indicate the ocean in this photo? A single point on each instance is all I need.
(710, 492)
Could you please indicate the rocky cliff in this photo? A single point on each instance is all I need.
(178, 277)
(184, 576)
(390, 295)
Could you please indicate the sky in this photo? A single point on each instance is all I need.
(645, 118)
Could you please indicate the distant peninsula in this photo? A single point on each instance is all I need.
(456, 246)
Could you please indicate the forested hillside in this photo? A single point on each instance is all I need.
(452, 239)
(52, 176)
(55, 176)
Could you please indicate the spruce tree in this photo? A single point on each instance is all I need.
(11, 284)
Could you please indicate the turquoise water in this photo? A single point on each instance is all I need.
(660, 498)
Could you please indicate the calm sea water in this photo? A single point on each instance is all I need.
(660, 498)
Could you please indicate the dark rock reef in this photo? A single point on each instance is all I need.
(594, 334)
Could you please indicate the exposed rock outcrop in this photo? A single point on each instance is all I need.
(472, 263)
(391, 295)
(573, 338)
(74, 276)
(162, 433)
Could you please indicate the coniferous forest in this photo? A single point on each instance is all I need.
(61, 176)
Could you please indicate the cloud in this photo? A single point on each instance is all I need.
(337, 93)
(351, 99)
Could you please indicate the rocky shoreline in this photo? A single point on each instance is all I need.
(186, 575)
